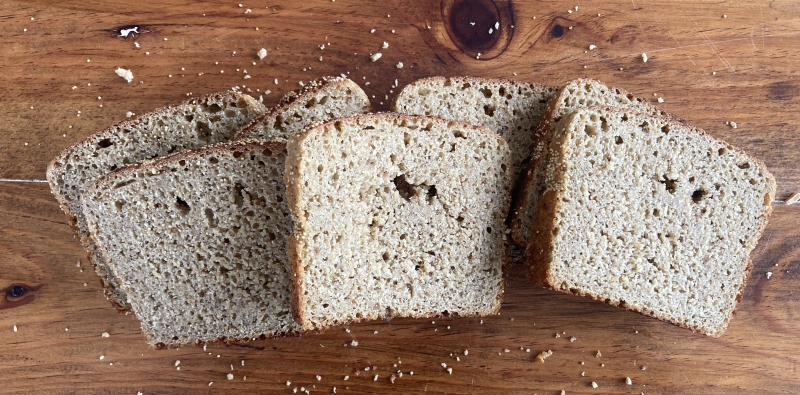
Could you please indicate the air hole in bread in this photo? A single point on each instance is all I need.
(670, 185)
(402, 186)
(617, 140)
(214, 107)
(385, 256)
(204, 132)
(489, 230)
(698, 195)
(489, 110)
(118, 204)
(431, 192)
(487, 93)
(212, 221)
(122, 184)
(406, 138)
(656, 212)
(722, 151)
(665, 129)
(590, 130)
(466, 85)
(182, 206)
(104, 143)
(745, 165)
(459, 134)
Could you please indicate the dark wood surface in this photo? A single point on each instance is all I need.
(711, 62)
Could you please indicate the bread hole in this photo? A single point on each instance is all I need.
(487, 93)
(212, 221)
(488, 110)
(655, 153)
(624, 117)
(745, 165)
(554, 231)
(722, 151)
(238, 194)
(670, 185)
(335, 176)
(230, 114)
(466, 86)
(665, 129)
(104, 143)
(698, 195)
(214, 107)
(489, 230)
(503, 167)
(213, 160)
(691, 179)
(406, 139)
(417, 267)
(203, 132)
(182, 206)
(590, 130)
(325, 305)
(428, 127)
(402, 186)
(118, 204)
(237, 154)
(604, 124)
(122, 184)
(310, 103)
(617, 140)
(431, 192)
(272, 236)
(278, 198)
(767, 199)
(656, 212)
(320, 168)
(385, 256)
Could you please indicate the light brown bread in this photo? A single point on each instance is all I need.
(512, 109)
(317, 101)
(574, 94)
(649, 214)
(198, 242)
(191, 124)
(396, 215)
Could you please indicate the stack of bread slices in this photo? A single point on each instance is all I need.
(220, 220)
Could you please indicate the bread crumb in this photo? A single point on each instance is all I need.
(594, 385)
(628, 381)
(598, 355)
(592, 47)
(769, 274)
(644, 57)
(125, 73)
(644, 367)
(466, 352)
(583, 374)
(660, 99)
(563, 392)
(392, 378)
(319, 378)
(288, 383)
(572, 339)
(527, 350)
(15, 328)
(794, 198)
(372, 31)
(733, 124)
(450, 370)
(385, 45)
(102, 357)
(230, 376)
(354, 343)
(557, 335)
(399, 65)
(376, 378)
(262, 53)
(105, 334)
(346, 378)
(543, 355)
(375, 56)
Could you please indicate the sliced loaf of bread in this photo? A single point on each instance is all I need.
(317, 101)
(191, 124)
(396, 215)
(511, 109)
(649, 214)
(198, 242)
(575, 94)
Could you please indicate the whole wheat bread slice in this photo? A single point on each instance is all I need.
(198, 242)
(396, 215)
(512, 109)
(317, 101)
(574, 94)
(191, 124)
(649, 214)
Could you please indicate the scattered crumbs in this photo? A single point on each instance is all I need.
(346, 378)
(572, 339)
(450, 370)
(209, 383)
(366, 369)
(732, 124)
(385, 45)
(527, 350)
(15, 328)
(262, 53)
(105, 334)
(481, 322)
(598, 355)
(713, 73)
(602, 365)
(376, 378)
(794, 198)
(319, 378)
(723, 15)
(372, 31)
(136, 44)
(230, 376)
(543, 355)
(507, 350)
(583, 374)
(592, 47)
(563, 392)
(660, 99)
(628, 381)
(458, 359)
(102, 357)
(88, 60)
(466, 352)
(334, 388)
(769, 274)
(636, 332)
(557, 335)
(594, 385)
(375, 56)
(644, 57)
(124, 73)
(165, 39)
(411, 372)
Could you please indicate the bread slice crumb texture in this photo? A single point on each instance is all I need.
(318, 101)
(396, 216)
(575, 94)
(195, 123)
(198, 242)
(650, 215)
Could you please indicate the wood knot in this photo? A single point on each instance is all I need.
(17, 295)
(481, 29)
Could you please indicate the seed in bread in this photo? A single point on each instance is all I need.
(198, 242)
(396, 215)
(649, 214)
(191, 124)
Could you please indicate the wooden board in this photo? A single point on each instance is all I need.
(711, 62)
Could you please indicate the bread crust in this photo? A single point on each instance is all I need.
(294, 190)
(541, 243)
(295, 98)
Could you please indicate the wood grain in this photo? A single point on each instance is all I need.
(709, 69)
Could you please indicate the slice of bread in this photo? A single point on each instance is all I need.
(511, 109)
(198, 242)
(194, 123)
(396, 215)
(573, 95)
(317, 101)
(649, 214)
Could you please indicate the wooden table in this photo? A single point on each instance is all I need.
(712, 62)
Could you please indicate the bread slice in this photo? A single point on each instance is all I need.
(396, 215)
(317, 101)
(512, 109)
(198, 242)
(194, 123)
(574, 94)
(648, 214)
